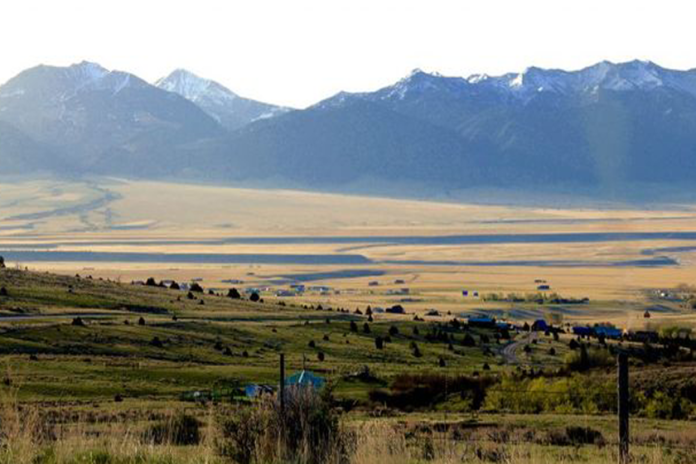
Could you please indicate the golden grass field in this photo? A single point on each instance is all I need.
(112, 216)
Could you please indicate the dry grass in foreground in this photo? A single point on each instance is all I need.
(310, 432)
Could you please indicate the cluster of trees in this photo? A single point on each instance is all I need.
(585, 394)
(538, 298)
(531, 394)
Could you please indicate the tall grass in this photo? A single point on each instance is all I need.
(306, 431)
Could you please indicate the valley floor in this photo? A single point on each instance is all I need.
(91, 353)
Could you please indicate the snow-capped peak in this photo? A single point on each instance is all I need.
(87, 71)
(195, 88)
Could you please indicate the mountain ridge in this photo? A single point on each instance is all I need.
(228, 108)
(606, 127)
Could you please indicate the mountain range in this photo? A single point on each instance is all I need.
(606, 128)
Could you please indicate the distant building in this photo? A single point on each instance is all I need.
(320, 288)
(608, 332)
(501, 325)
(305, 379)
(256, 390)
(582, 331)
(540, 325)
(543, 287)
(284, 293)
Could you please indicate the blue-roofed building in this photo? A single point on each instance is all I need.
(305, 379)
(582, 331)
(540, 325)
(256, 390)
(608, 332)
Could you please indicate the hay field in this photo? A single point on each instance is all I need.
(117, 216)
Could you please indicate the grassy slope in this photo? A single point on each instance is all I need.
(108, 356)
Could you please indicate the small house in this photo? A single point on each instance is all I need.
(305, 379)
(256, 390)
(582, 331)
(608, 332)
(285, 293)
(540, 325)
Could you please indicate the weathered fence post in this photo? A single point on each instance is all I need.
(623, 408)
(281, 389)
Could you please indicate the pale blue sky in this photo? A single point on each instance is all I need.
(298, 52)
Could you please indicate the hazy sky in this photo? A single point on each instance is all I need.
(296, 52)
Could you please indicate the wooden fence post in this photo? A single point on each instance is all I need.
(623, 408)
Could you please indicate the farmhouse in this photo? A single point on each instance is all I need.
(482, 321)
(608, 332)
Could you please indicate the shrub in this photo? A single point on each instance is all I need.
(353, 326)
(414, 391)
(78, 322)
(416, 351)
(366, 328)
(584, 436)
(196, 288)
(180, 430)
(234, 294)
(575, 436)
(255, 297)
(2, 262)
(584, 359)
(393, 331)
(306, 431)
(379, 343)
(240, 434)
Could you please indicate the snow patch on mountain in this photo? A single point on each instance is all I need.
(195, 88)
